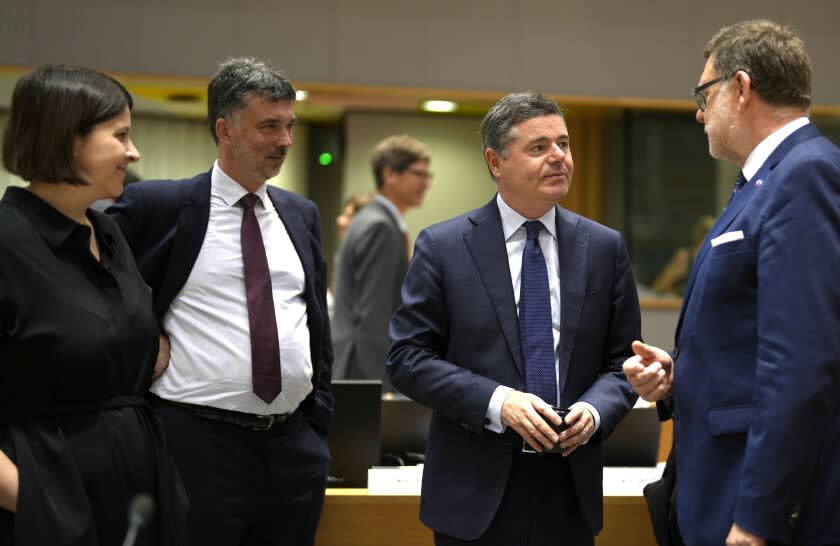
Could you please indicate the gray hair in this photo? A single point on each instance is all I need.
(498, 128)
(773, 55)
(237, 81)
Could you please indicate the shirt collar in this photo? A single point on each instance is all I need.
(392, 208)
(53, 226)
(228, 190)
(766, 147)
(512, 220)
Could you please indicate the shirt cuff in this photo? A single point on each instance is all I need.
(493, 417)
(595, 415)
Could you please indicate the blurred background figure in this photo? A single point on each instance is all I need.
(373, 258)
(673, 277)
(78, 337)
(351, 206)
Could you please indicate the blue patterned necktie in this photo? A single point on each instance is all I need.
(739, 184)
(535, 319)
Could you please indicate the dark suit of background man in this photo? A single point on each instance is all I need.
(457, 346)
(373, 258)
(255, 466)
(755, 374)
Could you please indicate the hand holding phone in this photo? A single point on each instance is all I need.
(562, 412)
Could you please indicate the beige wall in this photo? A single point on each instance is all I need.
(461, 180)
(171, 148)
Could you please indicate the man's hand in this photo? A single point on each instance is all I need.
(581, 428)
(650, 372)
(162, 358)
(738, 536)
(527, 414)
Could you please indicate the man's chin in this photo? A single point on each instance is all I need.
(271, 172)
(557, 192)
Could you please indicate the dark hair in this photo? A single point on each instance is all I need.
(397, 153)
(498, 128)
(773, 55)
(237, 81)
(51, 106)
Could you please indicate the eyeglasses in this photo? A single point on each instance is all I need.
(426, 175)
(698, 95)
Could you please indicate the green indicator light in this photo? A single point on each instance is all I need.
(325, 159)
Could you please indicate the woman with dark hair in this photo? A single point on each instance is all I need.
(78, 338)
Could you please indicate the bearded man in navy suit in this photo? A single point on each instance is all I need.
(239, 285)
(754, 380)
(461, 346)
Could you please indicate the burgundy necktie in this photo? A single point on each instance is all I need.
(265, 347)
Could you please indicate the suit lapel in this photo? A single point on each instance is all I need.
(724, 220)
(486, 243)
(572, 252)
(737, 204)
(192, 226)
(296, 227)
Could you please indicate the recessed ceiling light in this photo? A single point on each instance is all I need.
(439, 105)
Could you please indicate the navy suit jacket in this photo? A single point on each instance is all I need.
(164, 222)
(455, 338)
(757, 373)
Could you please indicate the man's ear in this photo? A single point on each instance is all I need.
(387, 176)
(223, 130)
(494, 161)
(744, 83)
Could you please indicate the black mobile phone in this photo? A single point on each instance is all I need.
(562, 412)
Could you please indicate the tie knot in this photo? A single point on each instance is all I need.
(533, 229)
(249, 200)
(740, 181)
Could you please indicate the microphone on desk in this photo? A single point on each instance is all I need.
(140, 512)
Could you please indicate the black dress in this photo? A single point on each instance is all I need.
(78, 342)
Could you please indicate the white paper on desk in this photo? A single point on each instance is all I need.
(727, 237)
(629, 481)
(395, 480)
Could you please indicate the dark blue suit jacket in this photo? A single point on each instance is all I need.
(757, 374)
(456, 338)
(164, 222)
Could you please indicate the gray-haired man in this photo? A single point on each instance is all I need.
(239, 285)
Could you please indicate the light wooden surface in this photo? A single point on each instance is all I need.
(353, 518)
(666, 439)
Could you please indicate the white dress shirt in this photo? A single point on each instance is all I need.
(207, 323)
(766, 147)
(515, 237)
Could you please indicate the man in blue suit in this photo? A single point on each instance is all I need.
(239, 284)
(754, 380)
(507, 311)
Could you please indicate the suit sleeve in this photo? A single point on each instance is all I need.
(127, 211)
(611, 393)
(419, 333)
(795, 401)
(323, 390)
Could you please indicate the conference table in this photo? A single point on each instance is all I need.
(352, 517)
